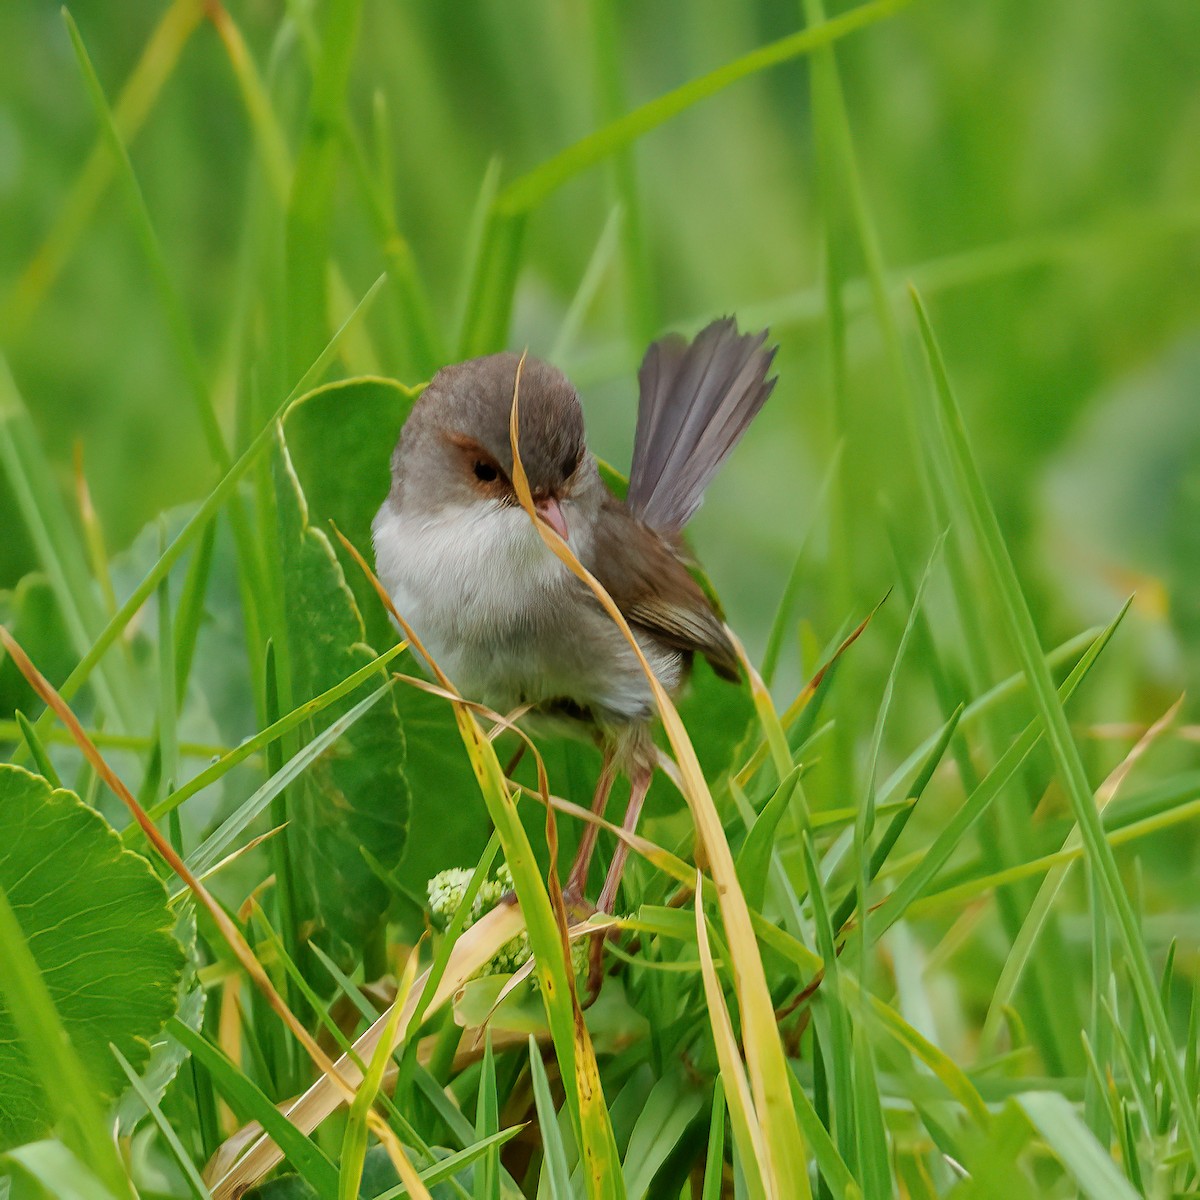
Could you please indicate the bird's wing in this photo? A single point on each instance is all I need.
(696, 400)
(654, 591)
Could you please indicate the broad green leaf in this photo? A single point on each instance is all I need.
(51, 1169)
(674, 1103)
(97, 923)
(340, 439)
(356, 795)
(166, 1054)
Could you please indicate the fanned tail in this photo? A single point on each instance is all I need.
(695, 402)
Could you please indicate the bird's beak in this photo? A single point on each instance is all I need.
(550, 512)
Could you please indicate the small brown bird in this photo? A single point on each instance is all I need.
(499, 612)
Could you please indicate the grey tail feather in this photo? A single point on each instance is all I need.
(695, 402)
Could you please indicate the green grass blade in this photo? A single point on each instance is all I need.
(589, 284)
(183, 1160)
(36, 749)
(896, 825)
(168, 734)
(58, 547)
(672, 1105)
(714, 1156)
(938, 854)
(833, 1022)
(493, 284)
(747, 1133)
(135, 102)
(273, 732)
(787, 602)
(487, 1122)
(209, 852)
(1075, 1147)
(190, 612)
(864, 826)
(453, 1163)
(834, 1172)
(1023, 636)
(354, 1140)
(252, 1104)
(310, 204)
(525, 194)
(969, 889)
(47, 1170)
(471, 279)
(556, 1171)
(874, 1160)
(198, 521)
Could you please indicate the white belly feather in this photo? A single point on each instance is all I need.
(505, 619)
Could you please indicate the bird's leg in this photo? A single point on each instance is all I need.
(639, 785)
(577, 880)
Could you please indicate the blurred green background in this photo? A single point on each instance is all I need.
(1032, 166)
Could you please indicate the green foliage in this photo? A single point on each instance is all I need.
(95, 919)
(874, 991)
(356, 794)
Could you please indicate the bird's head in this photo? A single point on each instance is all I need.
(455, 449)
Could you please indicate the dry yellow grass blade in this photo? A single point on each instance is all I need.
(360, 1111)
(469, 1053)
(472, 950)
(228, 930)
(747, 1131)
(573, 1044)
(765, 1060)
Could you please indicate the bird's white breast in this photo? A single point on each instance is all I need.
(503, 617)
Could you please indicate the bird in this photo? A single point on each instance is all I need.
(500, 613)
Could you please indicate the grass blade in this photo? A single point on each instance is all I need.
(556, 1171)
(970, 811)
(1023, 636)
(251, 1102)
(310, 204)
(525, 194)
(232, 827)
(183, 1160)
(137, 98)
(747, 1133)
(1075, 1147)
(144, 228)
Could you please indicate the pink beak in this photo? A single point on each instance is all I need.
(550, 512)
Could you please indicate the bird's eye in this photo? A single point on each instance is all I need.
(485, 472)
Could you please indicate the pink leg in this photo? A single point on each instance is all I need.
(577, 880)
(638, 787)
